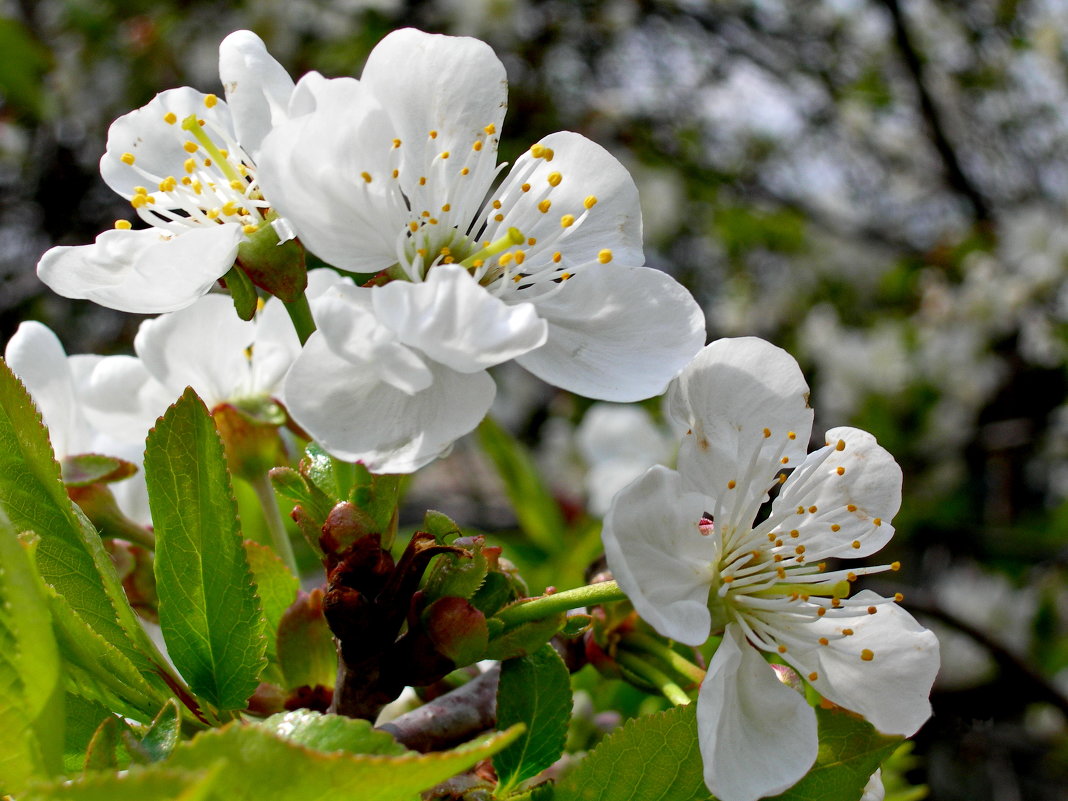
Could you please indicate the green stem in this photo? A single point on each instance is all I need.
(676, 661)
(546, 605)
(273, 517)
(638, 666)
(300, 314)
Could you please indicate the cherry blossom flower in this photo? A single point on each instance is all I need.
(186, 163)
(697, 555)
(396, 174)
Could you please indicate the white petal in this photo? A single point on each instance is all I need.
(617, 333)
(357, 417)
(312, 166)
(144, 271)
(456, 322)
(611, 432)
(854, 506)
(202, 346)
(157, 147)
(891, 689)
(874, 790)
(757, 735)
(37, 357)
(122, 399)
(275, 348)
(657, 553)
(452, 85)
(346, 319)
(740, 399)
(580, 169)
(257, 87)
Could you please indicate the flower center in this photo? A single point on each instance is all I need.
(218, 183)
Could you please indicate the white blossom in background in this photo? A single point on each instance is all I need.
(396, 174)
(57, 383)
(692, 553)
(618, 443)
(187, 164)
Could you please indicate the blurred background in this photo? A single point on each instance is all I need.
(879, 186)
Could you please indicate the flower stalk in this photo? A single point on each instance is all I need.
(547, 605)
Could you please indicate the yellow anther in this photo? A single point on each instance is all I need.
(895, 566)
(851, 508)
(544, 205)
(422, 180)
(505, 259)
(836, 602)
(878, 521)
(517, 278)
(548, 154)
(396, 143)
(899, 597)
(813, 676)
(123, 225)
(847, 632)
(229, 208)
(213, 214)
(190, 165)
(851, 576)
(127, 158)
(207, 162)
(840, 446)
(224, 153)
(840, 471)
(794, 533)
(872, 610)
(433, 134)
(444, 154)
(604, 256)
(444, 251)
(490, 129)
(532, 241)
(728, 579)
(590, 201)
(476, 145)
(186, 180)
(821, 612)
(856, 544)
(496, 204)
(556, 257)
(778, 557)
(824, 641)
(140, 190)
(555, 178)
(250, 229)
(767, 433)
(784, 460)
(413, 226)
(464, 171)
(812, 510)
(731, 484)
(366, 177)
(791, 435)
(780, 572)
(537, 151)
(800, 549)
(190, 147)
(210, 101)
(426, 214)
(867, 655)
(237, 185)
(138, 201)
(170, 118)
(782, 649)
(433, 221)
(800, 510)
(447, 207)
(396, 173)
(520, 256)
(525, 187)
(567, 220)
(835, 527)
(498, 217)
(168, 184)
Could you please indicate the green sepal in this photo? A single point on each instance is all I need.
(526, 638)
(94, 468)
(274, 266)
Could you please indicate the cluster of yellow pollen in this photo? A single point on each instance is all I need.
(767, 579)
(218, 185)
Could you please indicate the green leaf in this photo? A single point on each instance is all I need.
(327, 733)
(306, 650)
(534, 690)
(537, 511)
(20, 753)
(211, 617)
(277, 589)
(651, 758)
(22, 68)
(91, 468)
(99, 671)
(84, 717)
(850, 752)
(257, 765)
(159, 739)
(29, 660)
(70, 556)
(105, 751)
(524, 639)
(157, 783)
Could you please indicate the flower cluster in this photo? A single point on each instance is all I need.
(395, 175)
(706, 550)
